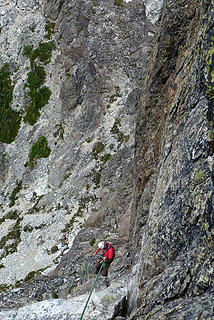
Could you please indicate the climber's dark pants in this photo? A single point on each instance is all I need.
(104, 271)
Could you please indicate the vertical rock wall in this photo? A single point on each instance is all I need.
(174, 173)
(107, 132)
(76, 71)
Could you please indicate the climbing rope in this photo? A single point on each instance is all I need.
(101, 268)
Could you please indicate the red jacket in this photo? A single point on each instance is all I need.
(108, 252)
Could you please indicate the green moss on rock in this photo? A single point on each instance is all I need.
(15, 235)
(31, 54)
(3, 287)
(12, 215)
(38, 94)
(199, 175)
(96, 177)
(92, 242)
(210, 72)
(45, 51)
(117, 94)
(54, 249)
(119, 3)
(59, 131)
(97, 149)
(35, 78)
(40, 98)
(121, 137)
(49, 28)
(30, 276)
(14, 193)
(55, 295)
(39, 150)
(106, 157)
(28, 228)
(93, 7)
(9, 118)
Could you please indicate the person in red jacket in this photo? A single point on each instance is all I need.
(107, 255)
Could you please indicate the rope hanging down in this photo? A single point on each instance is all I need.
(102, 266)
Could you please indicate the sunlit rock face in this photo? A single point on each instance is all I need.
(74, 72)
(106, 132)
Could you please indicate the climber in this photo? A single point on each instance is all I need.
(107, 257)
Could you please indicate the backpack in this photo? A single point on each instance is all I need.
(108, 249)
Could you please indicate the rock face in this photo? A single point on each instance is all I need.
(106, 132)
(103, 304)
(74, 84)
(175, 167)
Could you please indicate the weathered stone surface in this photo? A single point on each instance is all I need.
(174, 198)
(102, 304)
(130, 127)
(89, 124)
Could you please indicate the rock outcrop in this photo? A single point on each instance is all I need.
(106, 132)
(72, 74)
(174, 164)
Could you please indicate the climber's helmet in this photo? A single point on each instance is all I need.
(102, 245)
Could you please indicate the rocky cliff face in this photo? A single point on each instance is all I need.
(74, 100)
(106, 133)
(174, 159)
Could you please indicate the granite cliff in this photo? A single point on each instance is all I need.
(106, 132)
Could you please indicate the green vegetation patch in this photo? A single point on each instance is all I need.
(92, 241)
(40, 226)
(199, 176)
(106, 157)
(93, 7)
(59, 131)
(55, 295)
(119, 3)
(117, 94)
(121, 137)
(210, 71)
(54, 249)
(69, 225)
(14, 234)
(31, 54)
(35, 208)
(3, 287)
(49, 28)
(38, 93)
(35, 79)
(210, 90)
(43, 52)
(96, 177)
(12, 215)
(32, 274)
(28, 228)
(9, 118)
(14, 193)
(98, 148)
(39, 150)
